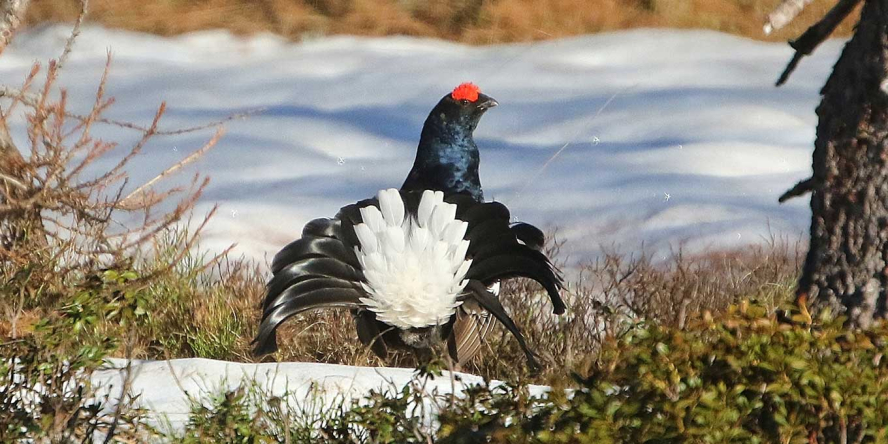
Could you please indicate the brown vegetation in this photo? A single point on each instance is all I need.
(213, 313)
(471, 21)
(617, 291)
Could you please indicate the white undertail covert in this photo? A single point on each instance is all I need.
(415, 266)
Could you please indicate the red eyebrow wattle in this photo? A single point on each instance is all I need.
(466, 91)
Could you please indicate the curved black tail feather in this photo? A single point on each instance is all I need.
(317, 271)
(478, 291)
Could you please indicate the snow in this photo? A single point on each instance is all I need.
(168, 387)
(672, 136)
(666, 137)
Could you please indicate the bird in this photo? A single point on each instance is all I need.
(417, 266)
(447, 159)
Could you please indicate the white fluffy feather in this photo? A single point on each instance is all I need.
(415, 266)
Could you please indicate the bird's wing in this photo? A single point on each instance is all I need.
(499, 250)
(497, 253)
(529, 235)
(471, 327)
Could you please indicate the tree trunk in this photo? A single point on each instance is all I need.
(846, 268)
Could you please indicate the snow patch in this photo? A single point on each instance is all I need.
(643, 113)
(167, 388)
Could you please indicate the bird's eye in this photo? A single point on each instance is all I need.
(464, 101)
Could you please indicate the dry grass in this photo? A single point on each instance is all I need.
(214, 313)
(618, 291)
(471, 21)
(609, 295)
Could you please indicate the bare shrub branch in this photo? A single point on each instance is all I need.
(75, 32)
(11, 14)
(87, 219)
(21, 95)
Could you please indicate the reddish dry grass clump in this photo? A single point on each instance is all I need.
(471, 21)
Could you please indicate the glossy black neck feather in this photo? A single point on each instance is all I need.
(447, 158)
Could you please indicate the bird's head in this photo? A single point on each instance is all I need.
(463, 107)
(447, 157)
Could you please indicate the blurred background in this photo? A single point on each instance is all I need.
(468, 21)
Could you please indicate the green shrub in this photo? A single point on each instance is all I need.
(225, 417)
(751, 376)
(45, 389)
(249, 414)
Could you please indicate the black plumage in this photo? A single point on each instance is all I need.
(447, 157)
(319, 271)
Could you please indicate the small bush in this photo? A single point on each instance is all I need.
(249, 414)
(45, 389)
(225, 417)
(749, 376)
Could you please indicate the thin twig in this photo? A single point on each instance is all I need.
(217, 258)
(137, 148)
(124, 391)
(75, 32)
(13, 181)
(191, 158)
(31, 99)
(35, 69)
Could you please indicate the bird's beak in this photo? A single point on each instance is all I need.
(486, 102)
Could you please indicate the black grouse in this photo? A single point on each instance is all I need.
(447, 160)
(416, 265)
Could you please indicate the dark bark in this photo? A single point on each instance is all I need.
(817, 34)
(846, 268)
